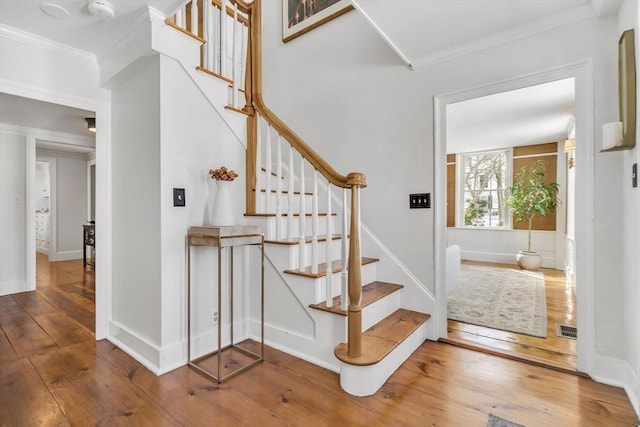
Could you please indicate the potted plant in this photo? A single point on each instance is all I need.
(530, 196)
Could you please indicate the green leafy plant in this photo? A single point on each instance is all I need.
(530, 195)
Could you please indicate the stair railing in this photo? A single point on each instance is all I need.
(224, 38)
(266, 135)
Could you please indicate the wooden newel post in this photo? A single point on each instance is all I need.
(354, 330)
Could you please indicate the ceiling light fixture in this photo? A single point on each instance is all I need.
(103, 9)
(91, 124)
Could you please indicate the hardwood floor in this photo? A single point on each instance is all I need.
(53, 372)
(554, 351)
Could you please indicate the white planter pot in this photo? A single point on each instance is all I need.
(529, 260)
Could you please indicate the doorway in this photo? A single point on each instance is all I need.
(583, 267)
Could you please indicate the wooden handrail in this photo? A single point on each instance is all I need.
(353, 179)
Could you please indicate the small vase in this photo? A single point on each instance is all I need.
(222, 212)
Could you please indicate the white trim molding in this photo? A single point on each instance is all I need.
(45, 44)
(582, 72)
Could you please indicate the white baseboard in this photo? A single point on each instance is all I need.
(547, 262)
(14, 286)
(145, 352)
(67, 255)
(618, 373)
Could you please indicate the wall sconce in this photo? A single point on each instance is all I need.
(569, 149)
(91, 124)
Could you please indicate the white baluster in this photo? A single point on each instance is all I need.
(206, 34)
(234, 58)
(268, 176)
(259, 177)
(302, 219)
(214, 41)
(194, 17)
(212, 36)
(344, 276)
(279, 233)
(329, 254)
(180, 21)
(314, 224)
(243, 54)
(223, 38)
(290, 186)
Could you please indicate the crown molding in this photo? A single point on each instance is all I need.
(45, 135)
(568, 17)
(47, 152)
(137, 24)
(45, 44)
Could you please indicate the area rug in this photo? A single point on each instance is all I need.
(500, 298)
(500, 422)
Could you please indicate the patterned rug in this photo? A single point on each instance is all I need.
(500, 298)
(500, 422)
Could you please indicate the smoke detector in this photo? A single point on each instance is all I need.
(103, 9)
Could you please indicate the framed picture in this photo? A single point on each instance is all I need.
(301, 16)
(627, 88)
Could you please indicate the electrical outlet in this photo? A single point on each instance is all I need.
(214, 318)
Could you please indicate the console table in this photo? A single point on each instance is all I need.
(225, 238)
(89, 239)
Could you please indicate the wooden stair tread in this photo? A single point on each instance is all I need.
(371, 293)
(380, 339)
(306, 193)
(269, 214)
(336, 267)
(307, 239)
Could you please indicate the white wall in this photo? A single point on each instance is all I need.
(166, 135)
(136, 201)
(502, 245)
(47, 71)
(70, 198)
(13, 205)
(380, 115)
(629, 17)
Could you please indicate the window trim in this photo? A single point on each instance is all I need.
(459, 188)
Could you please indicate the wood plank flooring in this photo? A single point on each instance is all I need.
(554, 351)
(53, 372)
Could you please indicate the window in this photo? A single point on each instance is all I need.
(483, 179)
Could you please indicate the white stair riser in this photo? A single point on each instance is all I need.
(292, 253)
(380, 309)
(313, 290)
(366, 380)
(267, 203)
(268, 225)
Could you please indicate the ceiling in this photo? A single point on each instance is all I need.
(421, 32)
(425, 32)
(531, 115)
(79, 29)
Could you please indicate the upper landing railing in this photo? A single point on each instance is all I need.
(284, 174)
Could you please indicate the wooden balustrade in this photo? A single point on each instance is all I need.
(208, 20)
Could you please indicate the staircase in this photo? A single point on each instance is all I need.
(324, 302)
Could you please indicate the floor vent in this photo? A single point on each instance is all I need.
(566, 331)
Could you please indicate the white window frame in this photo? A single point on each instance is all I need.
(508, 152)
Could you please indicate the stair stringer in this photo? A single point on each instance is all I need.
(415, 295)
(295, 328)
(186, 51)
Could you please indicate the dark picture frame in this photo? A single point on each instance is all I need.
(302, 16)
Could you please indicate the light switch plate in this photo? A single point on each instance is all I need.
(179, 197)
(420, 201)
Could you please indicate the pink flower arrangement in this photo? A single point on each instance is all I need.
(223, 174)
